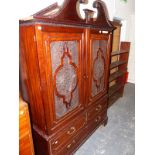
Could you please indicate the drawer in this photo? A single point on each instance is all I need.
(68, 132)
(70, 146)
(99, 118)
(76, 141)
(96, 121)
(94, 110)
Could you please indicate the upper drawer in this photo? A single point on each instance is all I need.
(69, 131)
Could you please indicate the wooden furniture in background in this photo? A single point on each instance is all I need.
(116, 36)
(119, 76)
(64, 68)
(25, 136)
(115, 46)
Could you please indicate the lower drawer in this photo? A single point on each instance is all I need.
(70, 146)
(68, 132)
(44, 144)
(96, 121)
(94, 110)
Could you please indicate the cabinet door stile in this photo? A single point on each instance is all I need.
(86, 64)
(43, 60)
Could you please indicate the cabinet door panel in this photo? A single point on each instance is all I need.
(98, 67)
(65, 73)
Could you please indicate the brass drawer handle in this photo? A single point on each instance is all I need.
(98, 119)
(56, 142)
(71, 131)
(98, 108)
(69, 145)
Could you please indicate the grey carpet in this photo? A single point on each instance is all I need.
(118, 137)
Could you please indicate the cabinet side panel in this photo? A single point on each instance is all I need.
(29, 73)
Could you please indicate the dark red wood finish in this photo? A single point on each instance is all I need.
(54, 135)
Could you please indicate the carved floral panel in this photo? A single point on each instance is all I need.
(98, 65)
(64, 56)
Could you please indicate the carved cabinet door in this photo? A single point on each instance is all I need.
(98, 63)
(63, 52)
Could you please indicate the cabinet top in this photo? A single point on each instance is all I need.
(68, 15)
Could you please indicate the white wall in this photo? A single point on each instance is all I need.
(126, 11)
(130, 32)
(29, 7)
(116, 8)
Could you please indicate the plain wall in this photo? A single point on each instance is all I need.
(126, 12)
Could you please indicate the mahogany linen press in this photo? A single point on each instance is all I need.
(64, 71)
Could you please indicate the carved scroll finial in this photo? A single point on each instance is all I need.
(103, 16)
(68, 14)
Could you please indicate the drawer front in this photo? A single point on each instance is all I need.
(99, 118)
(70, 146)
(94, 110)
(68, 132)
(96, 121)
